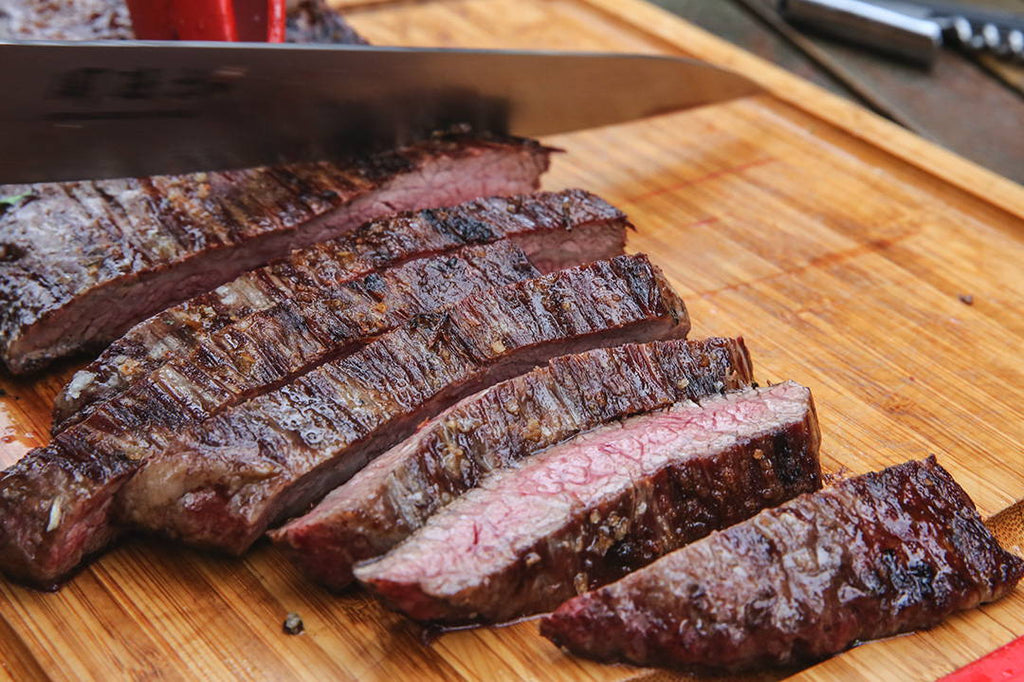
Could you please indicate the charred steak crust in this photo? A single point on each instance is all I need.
(558, 229)
(271, 457)
(311, 21)
(276, 344)
(396, 493)
(605, 503)
(873, 556)
(151, 242)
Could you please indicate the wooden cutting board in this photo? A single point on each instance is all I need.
(881, 271)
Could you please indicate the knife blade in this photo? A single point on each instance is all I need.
(90, 110)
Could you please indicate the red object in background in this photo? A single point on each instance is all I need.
(227, 20)
(1002, 665)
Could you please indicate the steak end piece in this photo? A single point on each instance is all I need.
(555, 229)
(271, 457)
(495, 429)
(873, 556)
(605, 503)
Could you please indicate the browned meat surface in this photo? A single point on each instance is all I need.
(55, 505)
(874, 556)
(603, 504)
(272, 456)
(47, 499)
(311, 21)
(87, 260)
(396, 493)
(557, 230)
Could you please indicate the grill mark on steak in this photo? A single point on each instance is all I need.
(558, 229)
(874, 556)
(266, 459)
(152, 242)
(272, 347)
(396, 493)
(605, 503)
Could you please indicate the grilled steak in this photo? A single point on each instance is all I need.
(875, 555)
(73, 248)
(588, 511)
(86, 463)
(396, 493)
(311, 21)
(274, 455)
(558, 230)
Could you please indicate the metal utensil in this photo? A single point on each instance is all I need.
(910, 29)
(114, 109)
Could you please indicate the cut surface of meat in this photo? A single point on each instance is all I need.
(873, 556)
(396, 493)
(605, 503)
(557, 229)
(268, 458)
(71, 249)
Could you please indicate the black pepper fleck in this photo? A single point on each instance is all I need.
(966, 299)
(293, 624)
(2, 393)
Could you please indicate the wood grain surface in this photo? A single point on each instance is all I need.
(840, 246)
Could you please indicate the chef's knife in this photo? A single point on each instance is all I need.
(80, 110)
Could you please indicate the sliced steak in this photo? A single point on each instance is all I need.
(557, 229)
(588, 511)
(309, 21)
(86, 463)
(874, 556)
(271, 457)
(396, 493)
(85, 261)
(272, 346)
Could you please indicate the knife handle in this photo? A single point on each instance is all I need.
(864, 23)
(224, 20)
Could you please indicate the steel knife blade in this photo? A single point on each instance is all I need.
(90, 110)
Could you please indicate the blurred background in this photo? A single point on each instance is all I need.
(970, 101)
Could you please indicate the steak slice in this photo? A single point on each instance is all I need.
(494, 429)
(557, 229)
(74, 249)
(873, 556)
(48, 512)
(588, 511)
(224, 483)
